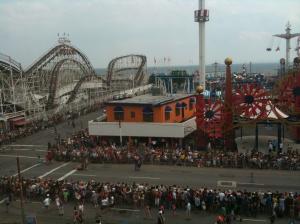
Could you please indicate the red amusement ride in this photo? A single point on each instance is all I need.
(287, 95)
(250, 101)
(253, 104)
(211, 119)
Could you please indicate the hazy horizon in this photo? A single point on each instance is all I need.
(265, 68)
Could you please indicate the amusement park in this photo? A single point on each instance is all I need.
(132, 143)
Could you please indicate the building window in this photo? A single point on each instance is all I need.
(168, 111)
(119, 113)
(132, 114)
(148, 114)
(178, 109)
(192, 103)
(183, 107)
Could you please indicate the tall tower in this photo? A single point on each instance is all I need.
(228, 125)
(287, 36)
(201, 16)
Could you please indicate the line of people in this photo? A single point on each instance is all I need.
(147, 197)
(98, 151)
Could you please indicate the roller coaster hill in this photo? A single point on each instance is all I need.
(62, 81)
(245, 105)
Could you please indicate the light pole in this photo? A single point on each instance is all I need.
(21, 191)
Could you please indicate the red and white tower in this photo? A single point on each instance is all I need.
(201, 16)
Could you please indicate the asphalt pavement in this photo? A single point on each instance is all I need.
(250, 179)
(64, 129)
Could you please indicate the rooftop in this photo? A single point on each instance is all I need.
(149, 99)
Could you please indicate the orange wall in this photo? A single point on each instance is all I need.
(158, 112)
(127, 113)
(187, 112)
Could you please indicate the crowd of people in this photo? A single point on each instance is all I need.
(146, 196)
(96, 150)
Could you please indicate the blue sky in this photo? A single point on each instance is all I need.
(104, 29)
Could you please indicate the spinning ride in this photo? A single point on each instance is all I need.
(211, 119)
(250, 101)
(287, 94)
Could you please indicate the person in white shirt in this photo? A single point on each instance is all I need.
(59, 205)
(47, 202)
(81, 208)
(188, 209)
(281, 147)
(221, 196)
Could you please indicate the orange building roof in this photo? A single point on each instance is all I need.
(149, 100)
(147, 108)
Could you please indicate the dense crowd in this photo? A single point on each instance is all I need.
(146, 196)
(82, 145)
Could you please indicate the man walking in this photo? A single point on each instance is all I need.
(188, 209)
(160, 218)
(7, 203)
(59, 205)
(47, 202)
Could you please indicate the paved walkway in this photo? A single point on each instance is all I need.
(64, 129)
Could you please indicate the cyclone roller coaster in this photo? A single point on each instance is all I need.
(127, 71)
(63, 79)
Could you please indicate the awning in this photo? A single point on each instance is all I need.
(273, 113)
(16, 119)
(21, 123)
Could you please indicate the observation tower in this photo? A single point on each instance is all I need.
(201, 16)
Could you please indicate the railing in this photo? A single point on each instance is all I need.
(7, 59)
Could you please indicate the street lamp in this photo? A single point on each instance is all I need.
(120, 132)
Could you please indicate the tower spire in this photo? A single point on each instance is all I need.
(201, 16)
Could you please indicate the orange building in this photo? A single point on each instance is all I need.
(148, 116)
(148, 108)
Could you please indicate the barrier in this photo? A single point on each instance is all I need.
(225, 183)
